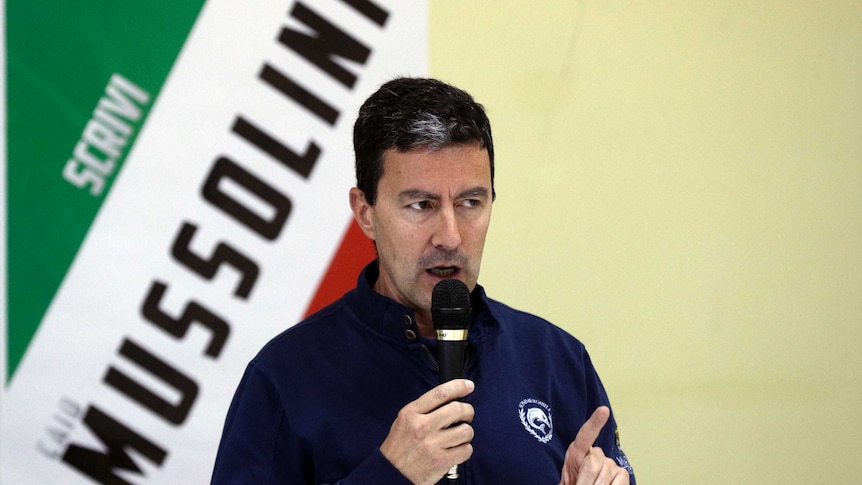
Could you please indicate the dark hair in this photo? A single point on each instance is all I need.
(409, 113)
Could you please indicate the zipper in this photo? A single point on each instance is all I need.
(430, 355)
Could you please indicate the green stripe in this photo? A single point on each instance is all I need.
(60, 58)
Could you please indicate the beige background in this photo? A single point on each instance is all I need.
(680, 186)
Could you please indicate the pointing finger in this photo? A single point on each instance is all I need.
(590, 431)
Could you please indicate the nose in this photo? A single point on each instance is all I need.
(448, 232)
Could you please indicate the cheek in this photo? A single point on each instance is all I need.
(396, 238)
(477, 234)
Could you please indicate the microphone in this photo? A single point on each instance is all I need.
(450, 313)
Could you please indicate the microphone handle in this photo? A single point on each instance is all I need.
(450, 359)
(450, 356)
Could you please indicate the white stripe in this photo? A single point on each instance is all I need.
(159, 188)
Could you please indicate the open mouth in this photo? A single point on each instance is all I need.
(443, 271)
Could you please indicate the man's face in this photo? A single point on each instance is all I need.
(429, 221)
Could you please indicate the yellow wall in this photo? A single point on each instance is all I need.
(680, 186)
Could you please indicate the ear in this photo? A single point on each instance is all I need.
(363, 212)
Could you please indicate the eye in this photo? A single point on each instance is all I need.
(420, 205)
(470, 203)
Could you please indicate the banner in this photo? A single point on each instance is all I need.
(176, 195)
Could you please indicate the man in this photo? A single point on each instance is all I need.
(350, 395)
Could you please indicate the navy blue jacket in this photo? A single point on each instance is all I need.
(318, 400)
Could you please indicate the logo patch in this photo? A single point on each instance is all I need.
(536, 418)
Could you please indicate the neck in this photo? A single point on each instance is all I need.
(425, 324)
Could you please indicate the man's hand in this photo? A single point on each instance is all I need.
(586, 464)
(421, 444)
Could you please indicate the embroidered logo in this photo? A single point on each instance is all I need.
(536, 418)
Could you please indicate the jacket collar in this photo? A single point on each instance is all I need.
(398, 322)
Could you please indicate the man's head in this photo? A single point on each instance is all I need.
(410, 113)
(425, 188)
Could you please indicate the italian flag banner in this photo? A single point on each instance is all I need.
(175, 191)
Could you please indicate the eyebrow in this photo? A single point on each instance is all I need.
(479, 192)
(412, 194)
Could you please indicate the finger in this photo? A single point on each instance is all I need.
(606, 474)
(607, 470)
(593, 468)
(450, 415)
(458, 454)
(590, 431)
(621, 477)
(456, 436)
(442, 394)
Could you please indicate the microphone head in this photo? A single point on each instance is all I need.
(450, 305)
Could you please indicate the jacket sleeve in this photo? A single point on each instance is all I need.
(258, 445)
(609, 438)
(375, 470)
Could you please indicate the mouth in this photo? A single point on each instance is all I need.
(442, 271)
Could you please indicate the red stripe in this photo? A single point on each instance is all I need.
(355, 251)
